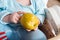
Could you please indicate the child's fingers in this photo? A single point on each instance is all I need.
(36, 28)
(15, 21)
(18, 16)
(20, 12)
(28, 30)
(32, 30)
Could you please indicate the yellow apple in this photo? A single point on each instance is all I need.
(29, 21)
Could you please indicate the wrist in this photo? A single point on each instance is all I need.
(6, 18)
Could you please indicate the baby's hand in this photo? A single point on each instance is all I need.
(14, 17)
(32, 30)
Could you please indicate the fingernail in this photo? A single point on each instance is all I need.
(21, 14)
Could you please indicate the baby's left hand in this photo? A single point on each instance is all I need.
(32, 30)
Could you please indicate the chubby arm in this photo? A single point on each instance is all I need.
(3, 11)
(6, 15)
(7, 18)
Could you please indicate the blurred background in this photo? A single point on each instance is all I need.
(53, 2)
(51, 26)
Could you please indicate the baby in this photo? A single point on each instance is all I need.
(10, 13)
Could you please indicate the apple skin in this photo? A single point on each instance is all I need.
(29, 21)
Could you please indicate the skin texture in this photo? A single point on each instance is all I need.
(14, 17)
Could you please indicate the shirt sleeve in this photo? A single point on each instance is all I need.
(41, 5)
(3, 11)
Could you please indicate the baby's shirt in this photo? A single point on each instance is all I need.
(9, 6)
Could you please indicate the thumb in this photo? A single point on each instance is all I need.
(20, 12)
(36, 28)
(28, 30)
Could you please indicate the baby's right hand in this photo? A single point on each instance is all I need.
(13, 18)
